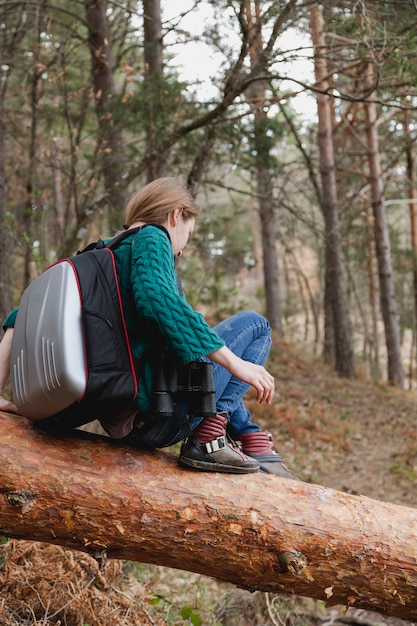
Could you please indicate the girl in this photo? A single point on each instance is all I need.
(159, 321)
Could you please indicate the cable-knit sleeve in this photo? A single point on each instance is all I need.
(10, 320)
(156, 297)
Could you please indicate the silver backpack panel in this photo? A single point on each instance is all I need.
(49, 316)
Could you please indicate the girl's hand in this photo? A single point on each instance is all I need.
(256, 376)
(251, 373)
(7, 406)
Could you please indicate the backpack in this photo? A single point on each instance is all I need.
(71, 360)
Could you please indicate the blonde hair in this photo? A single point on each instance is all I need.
(155, 201)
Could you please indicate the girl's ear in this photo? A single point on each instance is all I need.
(175, 216)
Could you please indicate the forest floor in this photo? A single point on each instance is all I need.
(353, 436)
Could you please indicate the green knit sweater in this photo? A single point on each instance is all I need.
(158, 317)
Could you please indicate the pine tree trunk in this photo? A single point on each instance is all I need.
(336, 292)
(374, 347)
(110, 137)
(264, 164)
(255, 531)
(382, 241)
(6, 292)
(153, 87)
(412, 195)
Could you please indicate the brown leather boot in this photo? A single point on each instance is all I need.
(209, 450)
(260, 446)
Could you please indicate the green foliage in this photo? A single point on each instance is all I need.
(172, 611)
(54, 149)
(404, 470)
(160, 101)
(191, 617)
(188, 601)
(222, 248)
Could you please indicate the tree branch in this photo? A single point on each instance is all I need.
(258, 532)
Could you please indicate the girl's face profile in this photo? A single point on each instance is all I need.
(181, 233)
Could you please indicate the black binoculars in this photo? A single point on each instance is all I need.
(192, 385)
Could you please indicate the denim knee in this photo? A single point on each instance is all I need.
(255, 319)
(248, 318)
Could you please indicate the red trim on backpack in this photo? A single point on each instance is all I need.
(132, 362)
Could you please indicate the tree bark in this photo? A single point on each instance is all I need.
(374, 343)
(111, 140)
(154, 91)
(382, 240)
(257, 532)
(412, 195)
(31, 213)
(6, 292)
(336, 305)
(59, 202)
(264, 166)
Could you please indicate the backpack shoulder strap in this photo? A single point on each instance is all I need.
(115, 241)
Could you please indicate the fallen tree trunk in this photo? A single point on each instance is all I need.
(256, 531)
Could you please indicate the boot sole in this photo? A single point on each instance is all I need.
(269, 462)
(216, 467)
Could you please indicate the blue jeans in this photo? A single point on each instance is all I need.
(248, 335)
